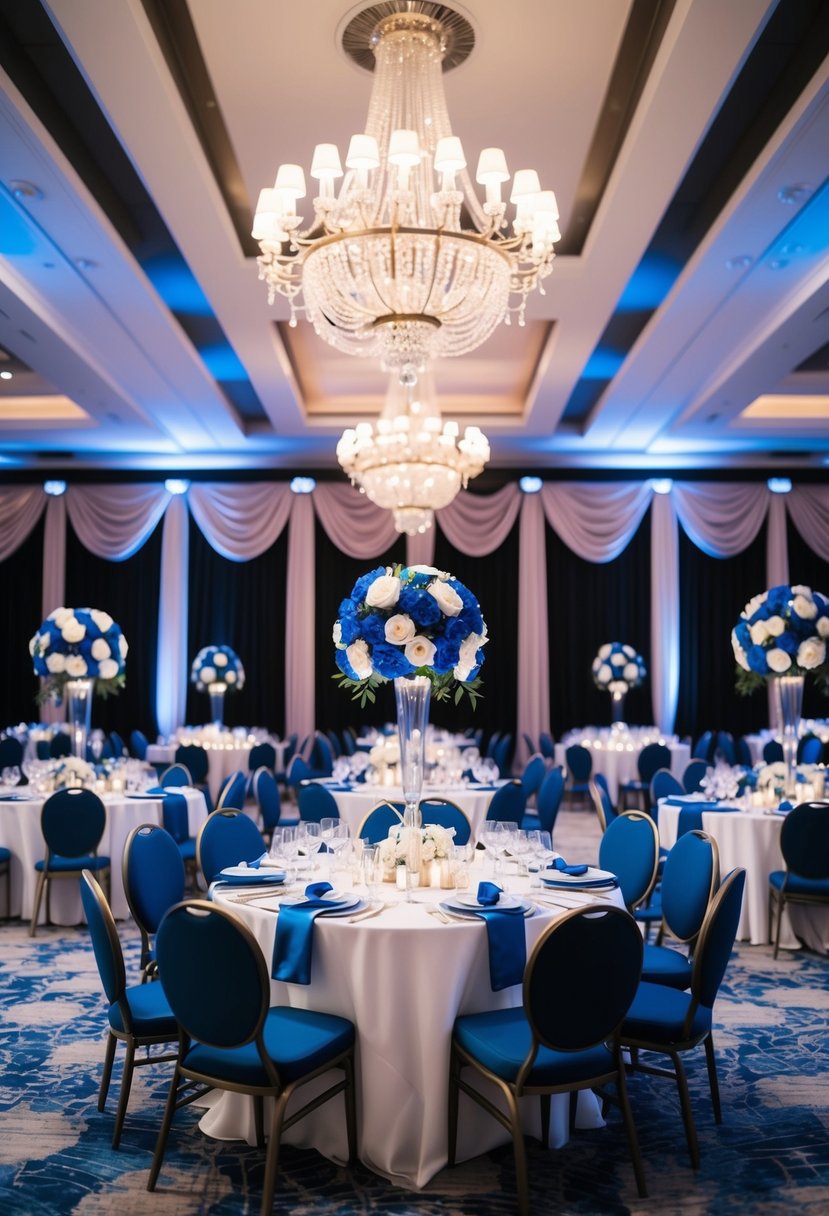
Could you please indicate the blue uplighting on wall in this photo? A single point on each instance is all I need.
(650, 282)
(172, 279)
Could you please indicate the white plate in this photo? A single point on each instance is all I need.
(465, 903)
(591, 878)
(246, 874)
(340, 901)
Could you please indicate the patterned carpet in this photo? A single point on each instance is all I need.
(770, 1155)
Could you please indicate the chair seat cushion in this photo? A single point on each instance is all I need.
(662, 965)
(501, 1038)
(297, 1040)
(651, 911)
(635, 785)
(530, 822)
(151, 1013)
(795, 885)
(658, 1013)
(59, 864)
(5, 854)
(187, 849)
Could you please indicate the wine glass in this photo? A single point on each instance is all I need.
(310, 842)
(372, 870)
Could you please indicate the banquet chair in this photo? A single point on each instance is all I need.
(287, 755)
(546, 745)
(503, 755)
(43, 749)
(227, 838)
(725, 749)
(804, 843)
(11, 756)
(60, 745)
(695, 770)
(809, 750)
(652, 757)
(744, 752)
(546, 1045)
(629, 848)
(690, 878)
(139, 1015)
(532, 776)
(602, 804)
(296, 772)
(379, 821)
(316, 803)
(218, 986)
(579, 762)
(663, 785)
(176, 819)
(447, 814)
(194, 759)
(5, 870)
(153, 872)
(531, 747)
(507, 804)
(262, 755)
(492, 744)
(547, 803)
(773, 752)
(704, 747)
(266, 793)
(334, 739)
(176, 775)
(233, 793)
(322, 755)
(139, 744)
(117, 744)
(72, 822)
(669, 1022)
(349, 741)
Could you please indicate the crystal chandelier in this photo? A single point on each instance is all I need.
(411, 462)
(405, 263)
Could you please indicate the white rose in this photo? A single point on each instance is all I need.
(754, 603)
(230, 677)
(357, 655)
(618, 686)
(60, 616)
(605, 674)
(100, 649)
(428, 852)
(102, 619)
(801, 590)
(449, 602)
(631, 672)
(617, 659)
(811, 653)
(805, 608)
(605, 650)
(337, 635)
(56, 663)
(775, 625)
(108, 669)
(739, 653)
(778, 660)
(629, 651)
(420, 651)
(823, 626)
(759, 632)
(466, 656)
(73, 631)
(76, 665)
(122, 645)
(384, 592)
(208, 675)
(399, 629)
(427, 570)
(220, 660)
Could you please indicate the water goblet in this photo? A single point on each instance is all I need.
(372, 871)
(310, 838)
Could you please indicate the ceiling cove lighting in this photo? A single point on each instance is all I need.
(402, 260)
(410, 461)
(54, 488)
(176, 485)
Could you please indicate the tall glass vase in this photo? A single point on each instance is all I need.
(788, 693)
(79, 695)
(412, 695)
(617, 708)
(217, 703)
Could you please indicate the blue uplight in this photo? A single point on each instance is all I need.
(303, 485)
(55, 488)
(176, 485)
(530, 485)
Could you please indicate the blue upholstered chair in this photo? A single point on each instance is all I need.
(139, 1015)
(528, 743)
(507, 803)
(602, 803)
(227, 838)
(297, 772)
(176, 820)
(547, 802)
(194, 759)
(322, 755)
(773, 752)
(804, 843)
(5, 869)
(663, 785)
(690, 877)
(725, 748)
(629, 848)
(176, 775)
(316, 802)
(266, 793)
(379, 821)
(532, 776)
(669, 1022)
(153, 873)
(11, 756)
(218, 986)
(233, 793)
(547, 1045)
(704, 747)
(651, 758)
(117, 744)
(695, 770)
(447, 815)
(60, 745)
(72, 822)
(139, 744)
(262, 755)
(743, 752)
(809, 750)
(579, 762)
(546, 745)
(502, 755)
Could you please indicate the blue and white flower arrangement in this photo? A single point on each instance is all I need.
(617, 668)
(781, 632)
(408, 621)
(216, 666)
(79, 643)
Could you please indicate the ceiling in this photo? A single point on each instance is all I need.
(686, 322)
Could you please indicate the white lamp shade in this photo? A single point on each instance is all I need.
(290, 179)
(492, 167)
(526, 182)
(326, 162)
(545, 204)
(362, 152)
(266, 219)
(404, 149)
(449, 157)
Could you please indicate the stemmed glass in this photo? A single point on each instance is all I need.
(372, 868)
(309, 836)
(335, 836)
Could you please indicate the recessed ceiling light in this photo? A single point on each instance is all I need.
(84, 263)
(6, 375)
(795, 193)
(25, 191)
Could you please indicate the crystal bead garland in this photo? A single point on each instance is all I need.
(79, 695)
(788, 691)
(412, 695)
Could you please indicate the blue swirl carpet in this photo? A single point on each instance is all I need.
(771, 1154)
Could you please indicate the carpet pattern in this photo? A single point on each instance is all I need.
(770, 1155)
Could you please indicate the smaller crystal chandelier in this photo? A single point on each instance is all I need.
(411, 462)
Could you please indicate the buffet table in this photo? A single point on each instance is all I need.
(401, 977)
(616, 752)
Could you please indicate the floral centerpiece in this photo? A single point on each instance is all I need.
(79, 643)
(617, 668)
(724, 781)
(72, 773)
(435, 844)
(781, 632)
(215, 670)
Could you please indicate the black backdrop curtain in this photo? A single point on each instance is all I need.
(335, 575)
(242, 605)
(128, 591)
(588, 604)
(20, 615)
(806, 567)
(712, 594)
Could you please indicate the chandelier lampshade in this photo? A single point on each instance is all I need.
(401, 260)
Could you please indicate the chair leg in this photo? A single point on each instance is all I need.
(687, 1113)
(545, 1119)
(630, 1129)
(452, 1138)
(259, 1120)
(164, 1131)
(713, 1082)
(350, 1098)
(38, 897)
(780, 905)
(272, 1155)
(520, 1153)
(124, 1096)
(109, 1056)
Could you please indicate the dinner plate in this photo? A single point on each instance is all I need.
(246, 876)
(15, 797)
(469, 901)
(340, 901)
(471, 910)
(146, 797)
(593, 878)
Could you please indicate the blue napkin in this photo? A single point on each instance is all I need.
(699, 804)
(505, 937)
(690, 817)
(561, 864)
(294, 943)
(784, 807)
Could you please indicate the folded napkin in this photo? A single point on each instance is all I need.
(692, 800)
(505, 937)
(690, 817)
(784, 807)
(561, 864)
(294, 944)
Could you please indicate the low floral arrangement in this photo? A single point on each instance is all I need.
(79, 643)
(407, 621)
(72, 772)
(774, 775)
(781, 632)
(617, 668)
(217, 665)
(436, 842)
(724, 781)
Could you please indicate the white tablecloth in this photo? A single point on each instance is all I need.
(751, 839)
(616, 757)
(355, 804)
(402, 977)
(20, 832)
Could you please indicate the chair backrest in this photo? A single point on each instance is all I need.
(194, 759)
(507, 804)
(695, 770)
(176, 775)
(215, 977)
(533, 775)
(234, 792)
(629, 848)
(690, 877)
(716, 940)
(138, 744)
(153, 874)
(599, 950)
(549, 798)
(546, 745)
(804, 840)
(725, 747)
(349, 741)
(379, 820)
(334, 739)
(43, 749)
(704, 746)
(11, 752)
(262, 755)
(652, 757)
(175, 817)
(579, 762)
(602, 804)
(322, 755)
(447, 815)
(503, 754)
(744, 752)
(773, 751)
(809, 750)
(297, 771)
(117, 743)
(528, 743)
(663, 784)
(492, 744)
(316, 803)
(227, 838)
(73, 822)
(59, 745)
(266, 793)
(105, 943)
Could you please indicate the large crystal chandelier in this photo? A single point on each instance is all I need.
(405, 262)
(410, 461)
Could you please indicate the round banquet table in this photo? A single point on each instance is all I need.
(402, 977)
(20, 832)
(221, 761)
(615, 754)
(355, 804)
(751, 839)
